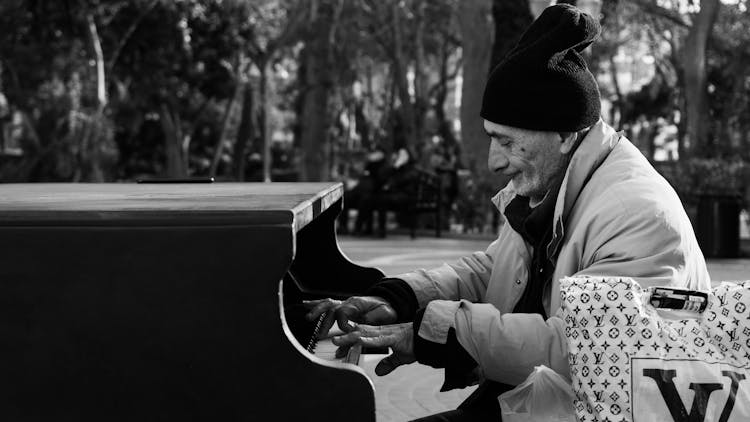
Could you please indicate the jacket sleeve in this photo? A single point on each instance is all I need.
(465, 279)
(650, 248)
(506, 347)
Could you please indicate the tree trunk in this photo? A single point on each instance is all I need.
(619, 97)
(227, 118)
(421, 100)
(476, 38)
(390, 111)
(170, 124)
(244, 133)
(264, 107)
(90, 150)
(694, 65)
(101, 85)
(445, 128)
(402, 84)
(316, 85)
(314, 113)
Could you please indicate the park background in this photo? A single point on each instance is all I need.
(304, 90)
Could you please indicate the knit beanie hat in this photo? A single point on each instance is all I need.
(543, 83)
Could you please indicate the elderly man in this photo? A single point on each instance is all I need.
(582, 200)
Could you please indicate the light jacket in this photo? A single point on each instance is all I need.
(614, 216)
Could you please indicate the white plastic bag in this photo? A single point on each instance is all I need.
(545, 396)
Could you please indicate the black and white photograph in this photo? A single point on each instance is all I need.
(375, 210)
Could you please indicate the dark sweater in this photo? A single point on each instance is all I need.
(535, 226)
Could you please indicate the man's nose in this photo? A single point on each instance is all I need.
(497, 161)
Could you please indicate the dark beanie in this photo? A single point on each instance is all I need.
(544, 83)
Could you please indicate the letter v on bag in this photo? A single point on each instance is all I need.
(664, 379)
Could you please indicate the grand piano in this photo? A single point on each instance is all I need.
(172, 302)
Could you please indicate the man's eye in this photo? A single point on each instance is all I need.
(503, 142)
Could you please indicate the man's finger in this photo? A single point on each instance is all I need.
(359, 337)
(368, 330)
(320, 307)
(388, 364)
(377, 341)
(344, 313)
(309, 304)
(340, 313)
(346, 339)
(341, 352)
(369, 338)
(317, 309)
(379, 314)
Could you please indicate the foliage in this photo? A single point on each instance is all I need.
(188, 84)
(708, 176)
(729, 84)
(666, 29)
(51, 88)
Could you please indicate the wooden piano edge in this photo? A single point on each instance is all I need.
(310, 209)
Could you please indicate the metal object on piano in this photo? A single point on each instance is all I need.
(144, 302)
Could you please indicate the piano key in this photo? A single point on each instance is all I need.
(325, 349)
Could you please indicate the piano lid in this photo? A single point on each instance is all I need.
(51, 204)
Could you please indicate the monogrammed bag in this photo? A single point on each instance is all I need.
(630, 363)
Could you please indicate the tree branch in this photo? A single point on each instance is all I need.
(128, 33)
(650, 7)
(101, 85)
(253, 49)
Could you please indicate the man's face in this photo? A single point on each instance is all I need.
(531, 159)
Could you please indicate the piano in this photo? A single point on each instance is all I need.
(173, 302)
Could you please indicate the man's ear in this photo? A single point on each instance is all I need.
(568, 141)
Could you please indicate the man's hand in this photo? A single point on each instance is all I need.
(399, 337)
(365, 309)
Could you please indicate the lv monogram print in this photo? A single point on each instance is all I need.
(628, 363)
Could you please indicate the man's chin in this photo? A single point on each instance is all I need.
(524, 190)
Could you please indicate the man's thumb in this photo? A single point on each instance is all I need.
(387, 365)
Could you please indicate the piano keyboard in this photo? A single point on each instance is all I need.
(326, 350)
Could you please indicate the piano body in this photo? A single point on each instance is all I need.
(125, 302)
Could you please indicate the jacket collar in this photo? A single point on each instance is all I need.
(589, 155)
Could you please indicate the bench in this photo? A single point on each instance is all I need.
(426, 197)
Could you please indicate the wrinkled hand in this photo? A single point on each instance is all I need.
(360, 309)
(399, 337)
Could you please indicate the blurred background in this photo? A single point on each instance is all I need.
(357, 91)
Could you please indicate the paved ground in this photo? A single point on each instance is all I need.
(413, 391)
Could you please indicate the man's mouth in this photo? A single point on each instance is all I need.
(504, 173)
(504, 178)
